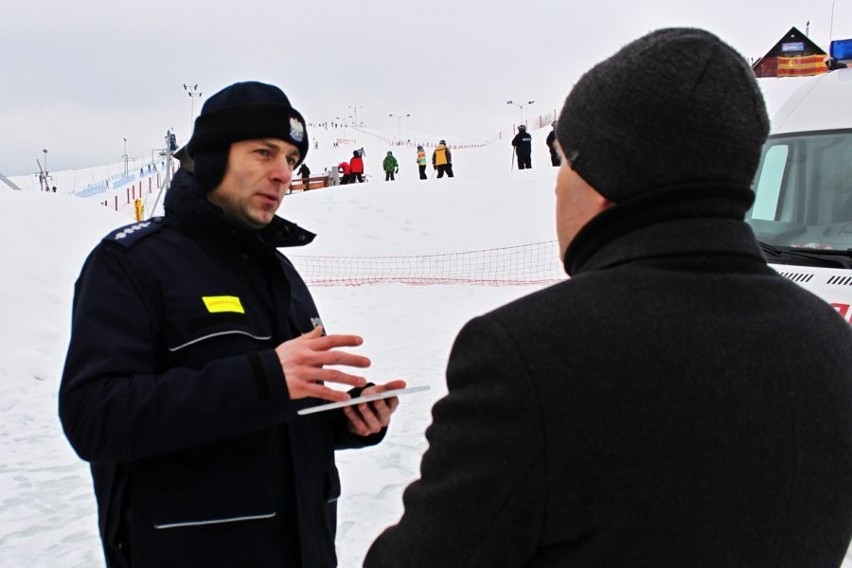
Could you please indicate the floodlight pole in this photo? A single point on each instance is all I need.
(124, 157)
(166, 152)
(355, 108)
(520, 108)
(193, 92)
(399, 117)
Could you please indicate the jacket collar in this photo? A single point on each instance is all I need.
(187, 207)
(700, 219)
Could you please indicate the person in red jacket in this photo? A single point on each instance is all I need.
(346, 176)
(356, 167)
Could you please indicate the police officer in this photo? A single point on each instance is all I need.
(194, 343)
(522, 143)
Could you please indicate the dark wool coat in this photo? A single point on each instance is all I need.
(676, 403)
(174, 393)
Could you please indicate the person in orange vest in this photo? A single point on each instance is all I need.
(356, 167)
(442, 159)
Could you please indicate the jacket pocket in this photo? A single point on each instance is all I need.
(222, 483)
(332, 485)
(196, 342)
(211, 327)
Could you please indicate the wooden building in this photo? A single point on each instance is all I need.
(793, 56)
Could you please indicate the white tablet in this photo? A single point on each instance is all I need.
(360, 399)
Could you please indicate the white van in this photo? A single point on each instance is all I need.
(802, 212)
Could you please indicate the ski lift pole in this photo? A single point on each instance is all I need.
(167, 178)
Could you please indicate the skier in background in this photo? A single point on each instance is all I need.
(551, 145)
(523, 147)
(421, 161)
(356, 166)
(305, 173)
(442, 159)
(345, 171)
(391, 166)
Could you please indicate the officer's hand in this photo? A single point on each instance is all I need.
(370, 417)
(303, 360)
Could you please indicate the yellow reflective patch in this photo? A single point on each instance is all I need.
(221, 304)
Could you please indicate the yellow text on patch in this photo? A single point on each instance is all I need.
(221, 304)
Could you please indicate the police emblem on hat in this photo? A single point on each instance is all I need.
(297, 130)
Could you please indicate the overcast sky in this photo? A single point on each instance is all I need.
(78, 77)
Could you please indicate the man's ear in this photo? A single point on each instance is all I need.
(600, 202)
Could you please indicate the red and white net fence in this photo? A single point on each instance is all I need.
(530, 264)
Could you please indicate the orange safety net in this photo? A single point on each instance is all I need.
(520, 265)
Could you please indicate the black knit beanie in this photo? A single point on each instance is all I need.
(242, 111)
(675, 107)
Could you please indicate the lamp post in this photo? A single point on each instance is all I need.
(520, 107)
(44, 174)
(124, 156)
(193, 92)
(399, 117)
(355, 108)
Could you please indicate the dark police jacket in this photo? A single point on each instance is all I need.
(675, 403)
(173, 391)
(523, 143)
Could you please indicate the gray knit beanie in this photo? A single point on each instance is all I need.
(675, 107)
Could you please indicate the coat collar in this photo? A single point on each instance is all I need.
(186, 206)
(701, 219)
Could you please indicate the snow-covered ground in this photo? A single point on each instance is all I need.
(47, 512)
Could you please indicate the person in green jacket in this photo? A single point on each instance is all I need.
(391, 166)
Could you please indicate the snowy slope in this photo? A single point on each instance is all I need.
(47, 514)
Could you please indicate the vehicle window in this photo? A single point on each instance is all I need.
(768, 185)
(803, 191)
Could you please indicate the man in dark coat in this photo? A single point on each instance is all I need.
(551, 145)
(522, 142)
(676, 402)
(305, 173)
(194, 343)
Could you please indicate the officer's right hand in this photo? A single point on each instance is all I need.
(303, 360)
